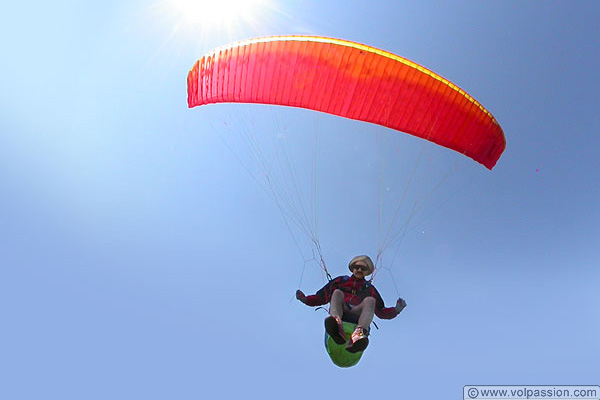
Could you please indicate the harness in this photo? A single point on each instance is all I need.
(366, 285)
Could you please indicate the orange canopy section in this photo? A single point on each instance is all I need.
(350, 80)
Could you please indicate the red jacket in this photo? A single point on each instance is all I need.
(355, 291)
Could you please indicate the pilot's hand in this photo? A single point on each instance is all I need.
(400, 305)
(300, 296)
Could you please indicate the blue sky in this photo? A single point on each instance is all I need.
(139, 259)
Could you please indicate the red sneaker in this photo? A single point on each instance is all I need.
(358, 341)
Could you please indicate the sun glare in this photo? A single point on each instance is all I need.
(204, 24)
(227, 14)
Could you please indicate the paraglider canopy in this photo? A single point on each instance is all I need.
(350, 80)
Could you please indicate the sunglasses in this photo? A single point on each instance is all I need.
(362, 268)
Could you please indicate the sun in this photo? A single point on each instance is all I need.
(218, 14)
(200, 25)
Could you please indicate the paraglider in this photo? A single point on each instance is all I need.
(359, 82)
(354, 302)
